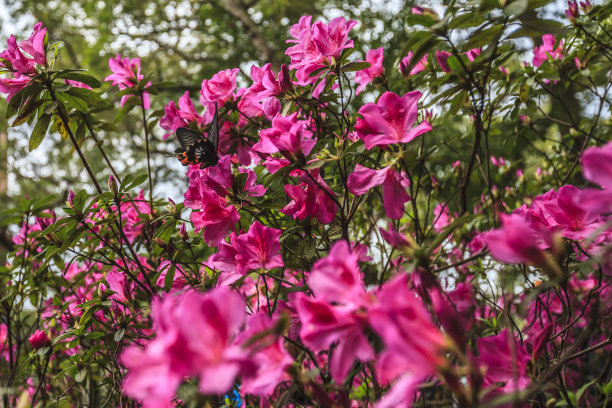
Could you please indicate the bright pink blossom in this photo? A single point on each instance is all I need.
(288, 135)
(268, 354)
(39, 339)
(365, 76)
(504, 360)
(541, 53)
(126, 74)
(473, 53)
(11, 86)
(216, 217)
(309, 199)
(597, 168)
(407, 359)
(35, 45)
(394, 187)
(442, 58)
(266, 85)
(516, 241)
(201, 348)
(217, 90)
(182, 117)
(390, 120)
(420, 66)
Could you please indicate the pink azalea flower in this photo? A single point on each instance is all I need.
(315, 46)
(131, 215)
(288, 135)
(14, 58)
(365, 76)
(266, 85)
(218, 90)
(117, 282)
(516, 241)
(337, 277)
(473, 53)
(442, 218)
(572, 11)
(77, 84)
(330, 39)
(597, 168)
(394, 187)
(126, 74)
(183, 116)
(202, 348)
(35, 45)
(407, 359)
(268, 354)
(541, 53)
(390, 120)
(505, 361)
(568, 215)
(442, 58)
(307, 199)
(498, 162)
(11, 86)
(216, 217)
(39, 339)
(324, 324)
(418, 67)
(229, 260)
(261, 246)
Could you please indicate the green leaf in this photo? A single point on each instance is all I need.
(40, 131)
(93, 99)
(138, 180)
(27, 110)
(119, 335)
(80, 376)
(169, 279)
(583, 389)
(483, 37)
(516, 8)
(80, 77)
(355, 66)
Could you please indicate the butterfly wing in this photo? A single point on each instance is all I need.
(213, 132)
(187, 137)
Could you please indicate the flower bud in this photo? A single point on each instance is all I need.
(39, 340)
(112, 185)
(171, 205)
(70, 199)
(183, 232)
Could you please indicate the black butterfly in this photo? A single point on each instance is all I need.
(197, 149)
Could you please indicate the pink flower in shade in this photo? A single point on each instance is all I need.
(473, 53)
(131, 214)
(420, 66)
(516, 241)
(14, 59)
(335, 312)
(4, 344)
(324, 324)
(567, 213)
(337, 277)
(407, 360)
(11, 86)
(393, 237)
(394, 187)
(39, 340)
(308, 199)
(442, 58)
(267, 353)
(442, 218)
(117, 282)
(390, 120)
(498, 162)
(504, 360)
(183, 116)
(218, 90)
(597, 168)
(288, 135)
(202, 348)
(126, 74)
(35, 45)
(216, 217)
(365, 76)
(541, 53)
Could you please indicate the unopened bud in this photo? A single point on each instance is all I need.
(112, 185)
(70, 199)
(183, 232)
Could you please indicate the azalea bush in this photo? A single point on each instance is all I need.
(422, 225)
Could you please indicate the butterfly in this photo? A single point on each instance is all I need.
(195, 148)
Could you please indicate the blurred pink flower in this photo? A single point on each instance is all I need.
(442, 58)
(365, 76)
(541, 53)
(418, 67)
(39, 339)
